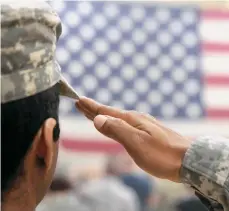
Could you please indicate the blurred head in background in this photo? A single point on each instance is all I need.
(61, 196)
(120, 163)
(116, 164)
(122, 166)
(141, 183)
(112, 166)
(60, 185)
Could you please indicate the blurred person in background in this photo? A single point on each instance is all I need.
(108, 192)
(60, 197)
(202, 164)
(189, 204)
(143, 185)
(139, 181)
(163, 204)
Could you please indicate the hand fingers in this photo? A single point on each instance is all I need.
(135, 119)
(84, 111)
(96, 108)
(117, 129)
(92, 108)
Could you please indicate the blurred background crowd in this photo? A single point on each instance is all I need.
(169, 59)
(118, 186)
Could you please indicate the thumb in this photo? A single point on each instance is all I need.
(116, 129)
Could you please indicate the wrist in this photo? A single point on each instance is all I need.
(179, 152)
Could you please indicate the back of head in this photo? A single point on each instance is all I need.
(29, 97)
(21, 120)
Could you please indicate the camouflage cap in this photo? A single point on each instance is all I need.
(29, 32)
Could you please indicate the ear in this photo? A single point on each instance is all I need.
(46, 146)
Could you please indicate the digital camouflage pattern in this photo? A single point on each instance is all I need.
(29, 32)
(206, 169)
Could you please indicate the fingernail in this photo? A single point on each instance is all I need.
(99, 121)
(81, 100)
(85, 101)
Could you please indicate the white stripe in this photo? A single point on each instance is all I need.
(80, 163)
(83, 129)
(217, 97)
(83, 160)
(215, 31)
(216, 63)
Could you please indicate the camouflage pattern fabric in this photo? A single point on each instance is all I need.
(206, 169)
(29, 32)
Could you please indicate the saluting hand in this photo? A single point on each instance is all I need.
(154, 147)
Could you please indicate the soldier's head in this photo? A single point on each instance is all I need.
(30, 87)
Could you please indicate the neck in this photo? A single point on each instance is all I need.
(16, 207)
(22, 202)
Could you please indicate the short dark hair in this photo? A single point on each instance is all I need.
(60, 184)
(21, 120)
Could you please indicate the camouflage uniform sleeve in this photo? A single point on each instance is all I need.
(206, 169)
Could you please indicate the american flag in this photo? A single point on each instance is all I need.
(171, 61)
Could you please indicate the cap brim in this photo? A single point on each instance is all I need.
(28, 82)
(67, 90)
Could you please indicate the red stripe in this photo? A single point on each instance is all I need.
(215, 14)
(217, 80)
(211, 47)
(91, 146)
(218, 113)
